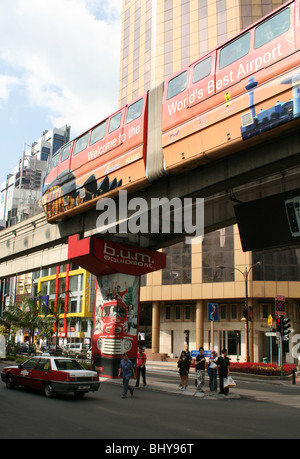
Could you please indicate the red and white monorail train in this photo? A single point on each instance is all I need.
(232, 98)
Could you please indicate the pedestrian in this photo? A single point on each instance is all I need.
(184, 367)
(188, 354)
(223, 363)
(127, 369)
(141, 367)
(200, 369)
(213, 369)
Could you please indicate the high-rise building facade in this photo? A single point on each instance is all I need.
(21, 192)
(159, 37)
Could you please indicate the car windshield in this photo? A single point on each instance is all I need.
(111, 311)
(67, 364)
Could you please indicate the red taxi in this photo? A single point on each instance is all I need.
(51, 375)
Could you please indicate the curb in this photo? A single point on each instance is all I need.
(207, 395)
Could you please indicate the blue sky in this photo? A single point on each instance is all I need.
(59, 64)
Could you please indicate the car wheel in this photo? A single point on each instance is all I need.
(48, 390)
(10, 382)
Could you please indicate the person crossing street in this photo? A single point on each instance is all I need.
(127, 369)
(141, 367)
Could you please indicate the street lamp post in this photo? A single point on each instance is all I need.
(246, 309)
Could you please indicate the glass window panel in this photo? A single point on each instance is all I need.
(177, 85)
(98, 133)
(234, 51)
(73, 305)
(115, 122)
(81, 144)
(52, 284)
(44, 288)
(74, 283)
(62, 286)
(277, 266)
(202, 69)
(134, 111)
(30, 364)
(272, 28)
(234, 311)
(223, 311)
(233, 342)
(168, 313)
(218, 250)
(178, 266)
(65, 153)
(265, 311)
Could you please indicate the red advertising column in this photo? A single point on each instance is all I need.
(118, 268)
(115, 321)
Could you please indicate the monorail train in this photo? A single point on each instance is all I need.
(231, 98)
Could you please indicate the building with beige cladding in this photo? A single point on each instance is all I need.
(159, 37)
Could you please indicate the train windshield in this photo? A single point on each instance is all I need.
(53, 161)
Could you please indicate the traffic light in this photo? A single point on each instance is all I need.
(286, 327)
(279, 324)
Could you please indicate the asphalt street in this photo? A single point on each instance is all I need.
(155, 412)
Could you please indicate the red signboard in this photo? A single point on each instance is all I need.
(101, 257)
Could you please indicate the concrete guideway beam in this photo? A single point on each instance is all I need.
(261, 171)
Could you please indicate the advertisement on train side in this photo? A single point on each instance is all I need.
(235, 97)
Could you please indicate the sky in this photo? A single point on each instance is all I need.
(59, 64)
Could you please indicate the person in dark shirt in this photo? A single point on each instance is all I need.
(200, 369)
(127, 369)
(184, 367)
(223, 363)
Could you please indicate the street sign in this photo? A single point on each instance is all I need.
(280, 305)
(270, 320)
(273, 334)
(213, 312)
(205, 353)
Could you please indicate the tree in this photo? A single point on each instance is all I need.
(25, 315)
(54, 315)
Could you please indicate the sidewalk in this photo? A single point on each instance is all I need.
(155, 383)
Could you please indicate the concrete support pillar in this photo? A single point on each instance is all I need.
(155, 327)
(199, 324)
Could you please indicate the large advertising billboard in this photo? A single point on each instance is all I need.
(116, 322)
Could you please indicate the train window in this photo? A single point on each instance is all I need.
(272, 28)
(115, 122)
(98, 133)
(53, 161)
(81, 143)
(177, 85)
(202, 69)
(65, 153)
(234, 51)
(134, 111)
